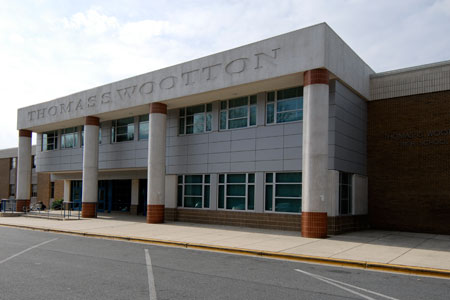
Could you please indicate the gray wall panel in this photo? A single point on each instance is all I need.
(262, 148)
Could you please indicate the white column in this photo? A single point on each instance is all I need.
(90, 168)
(156, 163)
(315, 153)
(23, 187)
(67, 184)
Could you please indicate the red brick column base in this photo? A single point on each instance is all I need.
(89, 210)
(314, 224)
(155, 214)
(21, 205)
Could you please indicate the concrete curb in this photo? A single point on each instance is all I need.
(411, 270)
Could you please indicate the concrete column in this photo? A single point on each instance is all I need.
(67, 184)
(315, 154)
(134, 196)
(90, 168)
(23, 187)
(156, 163)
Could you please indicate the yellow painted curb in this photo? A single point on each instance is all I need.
(412, 270)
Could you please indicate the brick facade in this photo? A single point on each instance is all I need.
(59, 189)
(43, 188)
(4, 178)
(409, 163)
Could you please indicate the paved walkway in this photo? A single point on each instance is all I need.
(370, 246)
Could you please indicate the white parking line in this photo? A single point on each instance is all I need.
(26, 250)
(151, 279)
(340, 284)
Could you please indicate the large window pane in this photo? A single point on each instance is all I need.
(236, 190)
(269, 197)
(193, 190)
(290, 104)
(221, 196)
(236, 203)
(206, 195)
(194, 202)
(288, 205)
(288, 190)
(251, 197)
(237, 102)
(288, 177)
(199, 123)
(289, 116)
(238, 123)
(240, 112)
(236, 178)
(193, 179)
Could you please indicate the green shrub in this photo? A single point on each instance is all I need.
(57, 204)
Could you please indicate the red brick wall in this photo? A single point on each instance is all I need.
(4, 178)
(409, 163)
(59, 189)
(43, 193)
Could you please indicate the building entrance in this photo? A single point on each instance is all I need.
(113, 195)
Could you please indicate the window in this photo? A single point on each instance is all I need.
(13, 163)
(34, 190)
(33, 162)
(143, 127)
(122, 130)
(69, 138)
(284, 105)
(237, 191)
(99, 135)
(195, 119)
(12, 190)
(238, 112)
(345, 193)
(49, 141)
(52, 190)
(283, 192)
(193, 191)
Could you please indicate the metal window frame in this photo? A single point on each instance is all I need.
(203, 184)
(349, 187)
(247, 184)
(114, 130)
(54, 139)
(184, 119)
(227, 110)
(139, 128)
(273, 184)
(73, 134)
(275, 106)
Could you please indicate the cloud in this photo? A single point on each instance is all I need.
(91, 22)
(49, 49)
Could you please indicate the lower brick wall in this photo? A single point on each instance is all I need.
(336, 225)
(342, 224)
(243, 219)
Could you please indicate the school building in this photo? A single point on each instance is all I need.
(295, 132)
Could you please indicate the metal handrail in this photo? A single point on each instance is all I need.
(12, 205)
(66, 211)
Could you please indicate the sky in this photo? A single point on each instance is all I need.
(53, 48)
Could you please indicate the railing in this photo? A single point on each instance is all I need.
(8, 205)
(67, 211)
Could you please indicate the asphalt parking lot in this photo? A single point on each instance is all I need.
(42, 265)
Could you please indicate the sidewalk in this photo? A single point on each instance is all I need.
(415, 253)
